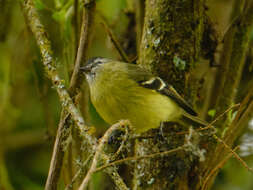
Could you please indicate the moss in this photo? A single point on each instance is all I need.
(170, 48)
(172, 28)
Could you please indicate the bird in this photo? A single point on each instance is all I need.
(126, 91)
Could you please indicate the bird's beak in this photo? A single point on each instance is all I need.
(86, 69)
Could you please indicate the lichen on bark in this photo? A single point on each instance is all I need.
(170, 48)
(171, 40)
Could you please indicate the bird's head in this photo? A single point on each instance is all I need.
(93, 67)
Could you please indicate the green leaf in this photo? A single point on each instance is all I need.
(59, 3)
(211, 112)
(179, 63)
(59, 16)
(39, 5)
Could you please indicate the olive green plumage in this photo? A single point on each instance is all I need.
(120, 90)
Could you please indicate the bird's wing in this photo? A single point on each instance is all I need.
(147, 80)
(172, 93)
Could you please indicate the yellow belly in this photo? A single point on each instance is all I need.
(144, 108)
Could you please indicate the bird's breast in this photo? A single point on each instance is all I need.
(145, 108)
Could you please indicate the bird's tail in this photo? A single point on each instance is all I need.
(193, 120)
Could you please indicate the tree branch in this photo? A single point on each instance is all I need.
(45, 47)
(99, 151)
(88, 16)
(75, 83)
(226, 54)
(136, 158)
(232, 133)
(139, 17)
(170, 47)
(239, 44)
(116, 43)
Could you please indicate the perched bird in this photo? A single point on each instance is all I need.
(121, 90)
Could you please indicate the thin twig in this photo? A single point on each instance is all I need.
(242, 109)
(76, 24)
(105, 159)
(45, 47)
(78, 174)
(58, 153)
(244, 120)
(57, 156)
(239, 45)
(236, 126)
(136, 158)
(235, 47)
(218, 166)
(122, 145)
(99, 151)
(116, 43)
(88, 16)
(231, 134)
(139, 16)
(234, 153)
(112, 172)
(224, 61)
(228, 147)
(210, 125)
(56, 162)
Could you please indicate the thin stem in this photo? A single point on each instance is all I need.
(78, 174)
(231, 134)
(112, 172)
(48, 61)
(226, 54)
(88, 15)
(45, 47)
(215, 170)
(57, 156)
(235, 154)
(136, 158)
(76, 24)
(240, 33)
(116, 43)
(139, 16)
(99, 151)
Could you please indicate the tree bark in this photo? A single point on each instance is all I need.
(170, 48)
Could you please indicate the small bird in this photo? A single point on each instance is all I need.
(120, 90)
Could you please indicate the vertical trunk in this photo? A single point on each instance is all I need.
(170, 47)
(171, 40)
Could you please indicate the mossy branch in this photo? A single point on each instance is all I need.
(170, 47)
(45, 47)
(75, 83)
(48, 61)
(122, 125)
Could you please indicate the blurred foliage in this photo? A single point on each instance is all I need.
(29, 107)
